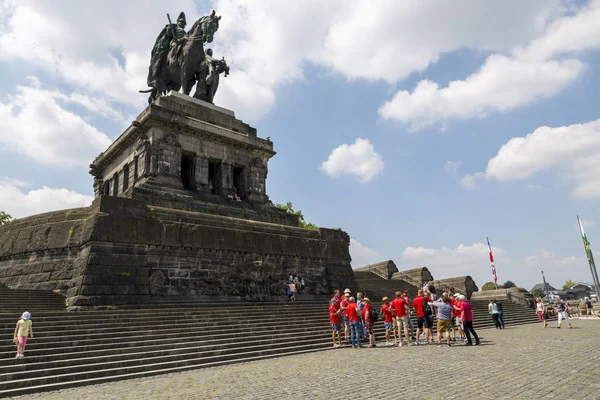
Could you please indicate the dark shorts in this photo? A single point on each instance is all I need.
(335, 327)
(426, 322)
(369, 328)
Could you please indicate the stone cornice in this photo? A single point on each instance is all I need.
(162, 117)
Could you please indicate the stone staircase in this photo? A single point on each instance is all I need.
(73, 348)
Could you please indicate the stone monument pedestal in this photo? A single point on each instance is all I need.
(166, 222)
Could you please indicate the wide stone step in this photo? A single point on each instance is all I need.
(132, 375)
(203, 308)
(34, 367)
(74, 342)
(175, 358)
(85, 346)
(133, 324)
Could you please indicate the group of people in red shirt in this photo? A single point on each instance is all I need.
(355, 317)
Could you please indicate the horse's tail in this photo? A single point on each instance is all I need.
(145, 91)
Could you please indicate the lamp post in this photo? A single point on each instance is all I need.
(545, 287)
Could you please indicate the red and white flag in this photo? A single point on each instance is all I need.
(492, 261)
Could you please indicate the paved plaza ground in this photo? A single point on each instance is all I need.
(523, 362)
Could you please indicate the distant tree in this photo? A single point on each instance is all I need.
(568, 285)
(4, 218)
(489, 286)
(537, 292)
(508, 285)
(289, 208)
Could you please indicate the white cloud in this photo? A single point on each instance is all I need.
(450, 262)
(358, 159)
(452, 166)
(547, 259)
(573, 151)
(362, 255)
(473, 260)
(90, 45)
(469, 181)
(382, 40)
(587, 223)
(501, 84)
(504, 82)
(266, 42)
(19, 204)
(35, 124)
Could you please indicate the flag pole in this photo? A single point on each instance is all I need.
(494, 274)
(590, 257)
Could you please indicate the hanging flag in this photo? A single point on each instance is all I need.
(492, 261)
(590, 256)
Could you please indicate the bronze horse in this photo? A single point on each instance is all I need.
(189, 57)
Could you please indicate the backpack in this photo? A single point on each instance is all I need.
(431, 289)
(499, 307)
(426, 308)
(373, 316)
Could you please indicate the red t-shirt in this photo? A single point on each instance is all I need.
(399, 305)
(466, 307)
(418, 305)
(344, 303)
(387, 313)
(366, 308)
(337, 302)
(352, 312)
(334, 315)
(456, 303)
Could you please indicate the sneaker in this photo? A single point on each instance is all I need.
(468, 344)
(18, 356)
(477, 343)
(416, 343)
(427, 342)
(558, 327)
(570, 327)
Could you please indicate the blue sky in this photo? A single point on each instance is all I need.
(419, 130)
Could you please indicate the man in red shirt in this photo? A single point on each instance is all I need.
(368, 325)
(399, 304)
(466, 315)
(334, 319)
(336, 297)
(424, 321)
(386, 312)
(354, 321)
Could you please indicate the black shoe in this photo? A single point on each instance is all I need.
(468, 344)
(477, 343)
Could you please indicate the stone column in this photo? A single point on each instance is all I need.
(227, 178)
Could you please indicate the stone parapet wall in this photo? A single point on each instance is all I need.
(462, 284)
(515, 295)
(384, 269)
(121, 251)
(46, 251)
(416, 275)
(196, 202)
